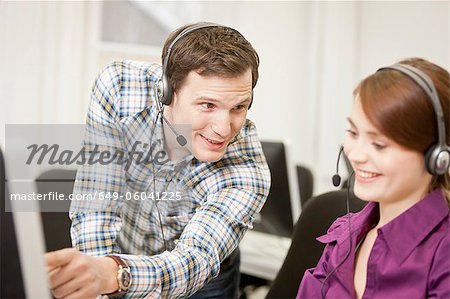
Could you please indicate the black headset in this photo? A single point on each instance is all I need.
(164, 90)
(437, 157)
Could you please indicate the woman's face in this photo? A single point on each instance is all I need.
(384, 170)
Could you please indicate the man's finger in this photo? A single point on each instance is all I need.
(59, 258)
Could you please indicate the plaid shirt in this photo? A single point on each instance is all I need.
(172, 247)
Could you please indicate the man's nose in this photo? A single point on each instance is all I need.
(221, 124)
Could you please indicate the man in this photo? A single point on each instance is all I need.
(154, 248)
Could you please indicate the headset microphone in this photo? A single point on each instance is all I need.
(337, 178)
(180, 138)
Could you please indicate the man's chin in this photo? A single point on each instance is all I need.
(210, 157)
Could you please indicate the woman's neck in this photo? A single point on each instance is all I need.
(389, 210)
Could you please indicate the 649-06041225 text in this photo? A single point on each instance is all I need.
(56, 196)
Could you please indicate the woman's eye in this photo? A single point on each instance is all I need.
(351, 132)
(378, 146)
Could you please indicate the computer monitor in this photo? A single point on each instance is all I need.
(23, 273)
(11, 282)
(282, 206)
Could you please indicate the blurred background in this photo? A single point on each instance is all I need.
(312, 56)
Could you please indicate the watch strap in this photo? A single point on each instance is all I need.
(122, 265)
(119, 261)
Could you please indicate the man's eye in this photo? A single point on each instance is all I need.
(208, 105)
(240, 107)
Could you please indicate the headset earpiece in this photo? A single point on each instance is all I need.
(437, 160)
(164, 91)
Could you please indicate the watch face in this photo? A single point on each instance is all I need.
(124, 279)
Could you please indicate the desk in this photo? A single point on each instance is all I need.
(262, 255)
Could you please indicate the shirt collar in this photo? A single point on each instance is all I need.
(405, 232)
(360, 224)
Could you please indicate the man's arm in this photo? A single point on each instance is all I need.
(95, 220)
(84, 272)
(233, 194)
(211, 235)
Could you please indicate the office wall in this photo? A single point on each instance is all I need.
(45, 58)
(312, 55)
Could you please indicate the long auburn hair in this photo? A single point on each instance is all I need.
(401, 110)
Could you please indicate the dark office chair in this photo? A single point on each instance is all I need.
(316, 217)
(305, 181)
(56, 225)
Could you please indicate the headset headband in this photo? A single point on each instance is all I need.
(183, 33)
(164, 90)
(437, 157)
(425, 82)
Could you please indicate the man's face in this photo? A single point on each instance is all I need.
(216, 107)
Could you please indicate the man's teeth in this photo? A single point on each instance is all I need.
(365, 174)
(212, 141)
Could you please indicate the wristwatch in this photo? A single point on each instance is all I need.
(123, 277)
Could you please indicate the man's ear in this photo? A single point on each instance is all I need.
(175, 98)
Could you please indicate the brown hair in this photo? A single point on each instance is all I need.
(217, 50)
(401, 110)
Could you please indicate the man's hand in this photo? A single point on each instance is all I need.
(72, 274)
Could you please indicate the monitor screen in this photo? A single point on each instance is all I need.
(23, 273)
(276, 215)
(11, 283)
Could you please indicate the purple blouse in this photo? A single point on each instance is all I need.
(409, 259)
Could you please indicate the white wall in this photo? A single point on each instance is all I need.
(406, 29)
(45, 57)
(312, 56)
(314, 53)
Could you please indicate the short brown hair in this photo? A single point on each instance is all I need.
(400, 109)
(216, 50)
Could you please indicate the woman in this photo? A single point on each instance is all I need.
(398, 246)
